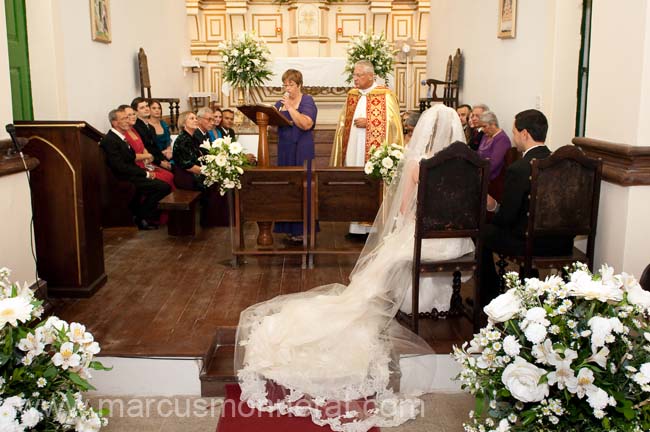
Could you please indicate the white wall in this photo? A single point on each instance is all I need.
(618, 109)
(77, 78)
(15, 208)
(536, 69)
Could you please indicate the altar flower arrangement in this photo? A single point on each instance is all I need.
(383, 161)
(245, 61)
(44, 366)
(375, 49)
(223, 163)
(556, 355)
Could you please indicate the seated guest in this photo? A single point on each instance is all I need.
(143, 158)
(216, 132)
(476, 133)
(161, 129)
(187, 152)
(409, 124)
(506, 233)
(187, 172)
(494, 144)
(205, 117)
(147, 133)
(227, 121)
(120, 158)
(463, 113)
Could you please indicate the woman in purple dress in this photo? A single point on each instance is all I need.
(494, 144)
(296, 142)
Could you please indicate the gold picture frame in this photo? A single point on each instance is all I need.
(507, 19)
(100, 20)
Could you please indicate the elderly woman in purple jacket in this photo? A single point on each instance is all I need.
(494, 144)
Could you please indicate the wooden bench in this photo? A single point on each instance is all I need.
(181, 206)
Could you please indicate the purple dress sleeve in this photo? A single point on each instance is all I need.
(500, 147)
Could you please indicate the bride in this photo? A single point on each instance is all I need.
(333, 352)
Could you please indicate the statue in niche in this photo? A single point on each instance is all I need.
(307, 20)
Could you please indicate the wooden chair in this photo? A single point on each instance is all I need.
(451, 203)
(564, 197)
(342, 195)
(450, 85)
(145, 91)
(271, 194)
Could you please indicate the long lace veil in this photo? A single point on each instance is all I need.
(334, 352)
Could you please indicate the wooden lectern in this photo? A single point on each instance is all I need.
(264, 116)
(66, 205)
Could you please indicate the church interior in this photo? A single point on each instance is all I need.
(165, 307)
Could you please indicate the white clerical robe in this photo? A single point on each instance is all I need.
(356, 152)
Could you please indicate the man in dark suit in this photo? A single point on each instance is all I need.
(506, 233)
(205, 116)
(227, 120)
(121, 160)
(147, 132)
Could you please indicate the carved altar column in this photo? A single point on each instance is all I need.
(308, 29)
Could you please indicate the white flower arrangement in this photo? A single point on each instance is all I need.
(223, 163)
(555, 355)
(44, 366)
(374, 48)
(245, 61)
(383, 161)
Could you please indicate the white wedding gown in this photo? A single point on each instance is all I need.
(333, 352)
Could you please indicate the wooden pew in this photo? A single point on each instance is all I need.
(181, 206)
(271, 194)
(343, 195)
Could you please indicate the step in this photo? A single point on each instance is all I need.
(218, 363)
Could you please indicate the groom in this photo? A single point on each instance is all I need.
(506, 233)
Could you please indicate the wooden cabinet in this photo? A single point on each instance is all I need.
(66, 204)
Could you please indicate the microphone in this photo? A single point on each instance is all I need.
(284, 95)
(11, 130)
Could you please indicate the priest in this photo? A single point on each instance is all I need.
(369, 118)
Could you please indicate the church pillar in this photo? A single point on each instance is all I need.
(618, 107)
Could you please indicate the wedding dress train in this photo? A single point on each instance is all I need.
(333, 352)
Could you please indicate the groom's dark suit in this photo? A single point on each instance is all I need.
(506, 233)
(121, 160)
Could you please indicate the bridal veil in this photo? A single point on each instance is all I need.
(333, 352)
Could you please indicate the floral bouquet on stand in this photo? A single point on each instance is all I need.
(44, 367)
(245, 62)
(375, 49)
(554, 356)
(223, 163)
(383, 161)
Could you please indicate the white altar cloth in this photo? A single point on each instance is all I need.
(316, 71)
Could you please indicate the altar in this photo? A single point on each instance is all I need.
(316, 71)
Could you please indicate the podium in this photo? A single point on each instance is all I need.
(264, 116)
(66, 205)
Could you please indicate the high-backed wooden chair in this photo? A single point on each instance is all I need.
(145, 91)
(271, 194)
(450, 85)
(564, 197)
(451, 203)
(645, 278)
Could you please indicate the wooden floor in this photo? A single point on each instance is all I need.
(166, 296)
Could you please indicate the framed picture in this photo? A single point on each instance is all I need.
(100, 20)
(507, 19)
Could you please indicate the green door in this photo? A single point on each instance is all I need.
(21, 88)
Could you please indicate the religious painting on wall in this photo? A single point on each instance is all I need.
(507, 19)
(100, 20)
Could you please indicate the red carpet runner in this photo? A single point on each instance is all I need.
(238, 417)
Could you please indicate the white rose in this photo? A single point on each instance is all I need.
(368, 168)
(504, 307)
(387, 163)
(522, 380)
(221, 160)
(511, 346)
